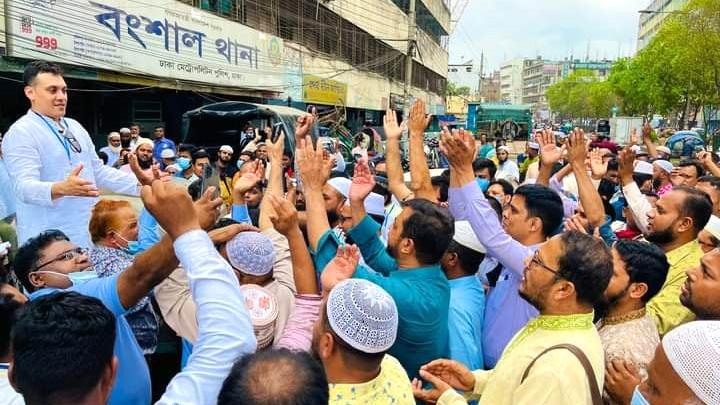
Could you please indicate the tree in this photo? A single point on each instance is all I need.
(581, 95)
(453, 90)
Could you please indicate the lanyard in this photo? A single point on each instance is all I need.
(56, 132)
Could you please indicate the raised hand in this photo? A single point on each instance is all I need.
(285, 216)
(647, 132)
(458, 147)
(626, 160)
(576, 223)
(313, 164)
(340, 268)
(304, 124)
(597, 165)
(254, 172)
(143, 178)
(393, 131)
(549, 152)
(621, 378)
(418, 120)
(172, 207)
(276, 149)
(577, 148)
(363, 182)
(451, 372)
(207, 209)
(75, 186)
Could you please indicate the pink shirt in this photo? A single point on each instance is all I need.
(664, 189)
(297, 335)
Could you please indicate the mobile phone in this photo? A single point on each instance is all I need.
(276, 128)
(210, 179)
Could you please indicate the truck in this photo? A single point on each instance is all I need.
(621, 127)
(500, 121)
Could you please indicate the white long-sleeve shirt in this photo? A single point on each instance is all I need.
(36, 156)
(639, 205)
(226, 332)
(509, 171)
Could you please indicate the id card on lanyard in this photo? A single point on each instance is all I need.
(64, 142)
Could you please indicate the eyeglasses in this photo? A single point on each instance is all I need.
(74, 144)
(66, 256)
(536, 260)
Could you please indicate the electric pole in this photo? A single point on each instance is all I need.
(412, 29)
(480, 82)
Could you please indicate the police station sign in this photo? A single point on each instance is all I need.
(166, 39)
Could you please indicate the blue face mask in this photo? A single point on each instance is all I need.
(133, 246)
(240, 162)
(81, 277)
(484, 184)
(183, 162)
(638, 398)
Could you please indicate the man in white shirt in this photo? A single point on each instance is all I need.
(507, 169)
(55, 173)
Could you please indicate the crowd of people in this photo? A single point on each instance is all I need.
(586, 274)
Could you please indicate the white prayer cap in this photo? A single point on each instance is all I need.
(534, 145)
(263, 309)
(664, 149)
(363, 315)
(504, 148)
(341, 184)
(375, 204)
(642, 167)
(713, 226)
(173, 168)
(167, 154)
(226, 148)
(114, 135)
(465, 236)
(251, 253)
(664, 164)
(693, 350)
(144, 141)
(124, 130)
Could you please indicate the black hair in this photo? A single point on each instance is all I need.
(586, 262)
(223, 222)
(29, 253)
(62, 344)
(103, 156)
(641, 178)
(275, 377)
(480, 164)
(134, 124)
(430, 227)
(195, 189)
(199, 154)
(506, 186)
(34, 68)
(645, 263)
(158, 126)
(613, 165)
(495, 205)
(8, 313)
(693, 162)
(714, 181)
(186, 147)
(443, 183)
(543, 203)
(697, 205)
(469, 259)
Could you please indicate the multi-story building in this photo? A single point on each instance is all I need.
(538, 75)
(511, 81)
(652, 18)
(181, 54)
(465, 74)
(599, 69)
(490, 88)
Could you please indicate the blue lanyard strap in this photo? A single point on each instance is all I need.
(62, 140)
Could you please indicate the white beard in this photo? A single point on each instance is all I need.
(115, 149)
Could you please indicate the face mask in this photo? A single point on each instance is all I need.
(484, 184)
(81, 277)
(133, 246)
(499, 199)
(240, 162)
(183, 162)
(638, 398)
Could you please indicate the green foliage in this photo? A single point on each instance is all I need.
(581, 95)
(453, 90)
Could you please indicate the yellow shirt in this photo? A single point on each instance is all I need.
(556, 378)
(391, 386)
(666, 308)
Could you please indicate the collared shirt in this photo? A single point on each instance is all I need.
(8, 395)
(422, 295)
(556, 378)
(465, 320)
(391, 386)
(141, 317)
(112, 156)
(225, 329)
(633, 338)
(36, 157)
(505, 311)
(161, 145)
(132, 384)
(665, 307)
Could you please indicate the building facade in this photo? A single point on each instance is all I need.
(538, 75)
(490, 88)
(511, 81)
(465, 74)
(599, 69)
(651, 20)
(186, 53)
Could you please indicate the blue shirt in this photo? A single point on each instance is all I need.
(161, 145)
(132, 384)
(112, 156)
(465, 319)
(422, 295)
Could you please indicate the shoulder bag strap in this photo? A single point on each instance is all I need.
(589, 372)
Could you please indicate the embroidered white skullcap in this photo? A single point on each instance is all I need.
(465, 236)
(664, 164)
(144, 141)
(262, 306)
(534, 145)
(713, 226)
(226, 148)
(693, 350)
(251, 253)
(363, 315)
(375, 204)
(341, 184)
(125, 130)
(664, 149)
(167, 154)
(642, 167)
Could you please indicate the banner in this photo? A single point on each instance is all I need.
(317, 90)
(171, 40)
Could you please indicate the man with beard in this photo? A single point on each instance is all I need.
(126, 138)
(144, 153)
(134, 134)
(507, 169)
(409, 270)
(702, 288)
(661, 177)
(543, 364)
(627, 332)
(112, 150)
(674, 225)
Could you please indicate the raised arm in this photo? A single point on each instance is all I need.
(589, 197)
(647, 140)
(549, 155)
(248, 177)
(639, 205)
(419, 171)
(393, 161)
(275, 184)
(706, 160)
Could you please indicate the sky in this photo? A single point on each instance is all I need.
(554, 29)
